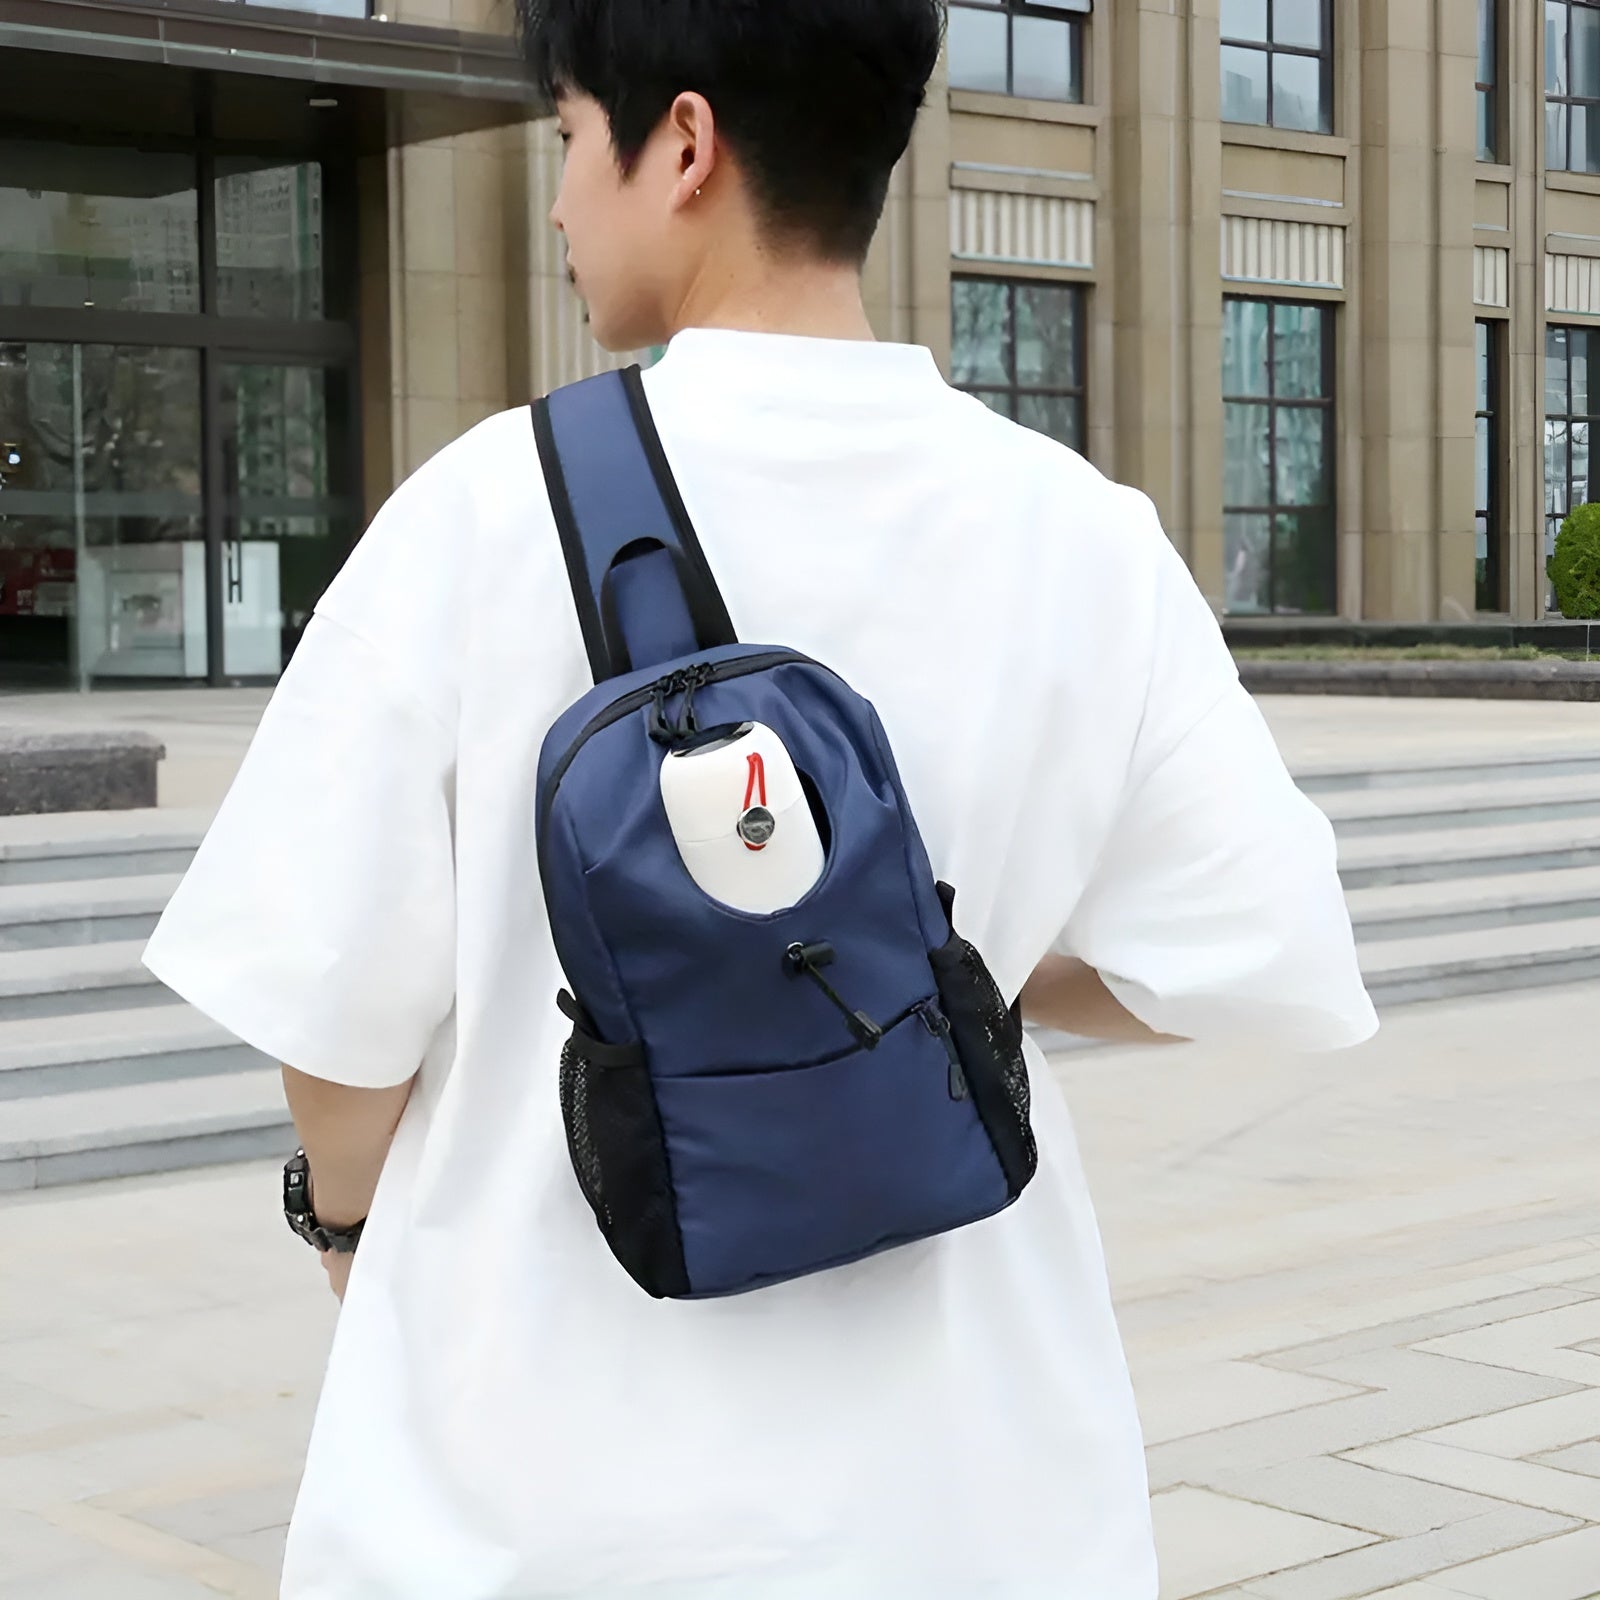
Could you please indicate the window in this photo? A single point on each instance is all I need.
(1490, 515)
(1277, 63)
(178, 406)
(1572, 85)
(1277, 388)
(1032, 48)
(1571, 414)
(1019, 348)
(1488, 78)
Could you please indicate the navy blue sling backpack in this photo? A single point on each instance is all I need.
(747, 1098)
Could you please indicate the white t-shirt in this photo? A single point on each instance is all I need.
(505, 1414)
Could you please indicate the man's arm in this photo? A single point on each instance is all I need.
(1069, 995)
(346, 1135)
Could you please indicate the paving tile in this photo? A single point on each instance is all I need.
(30, 1547)
(1359, 1572)
(106, 1580)
(211, 1519)
(1563, 1568)
(262, 1549)
(1548, 1342)
(1527, 1430)
(1411, 1330)
(1358, 1496)
(1521, 1482)
(1436, 1391)
(1566, 1269)
(1200, 1399)
(1583, 1458)
(1207, 1540)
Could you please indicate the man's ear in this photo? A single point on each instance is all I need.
(692, 126)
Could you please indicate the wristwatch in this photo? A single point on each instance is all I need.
(297, 1210)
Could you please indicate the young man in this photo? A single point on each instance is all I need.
(505, 1414)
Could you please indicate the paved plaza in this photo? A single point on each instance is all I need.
(1361, 1296)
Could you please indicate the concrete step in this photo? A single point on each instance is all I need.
(1358, 813)
(57, 1055)
(148, 1127)
(1482, 961)
(47, 916)
(1414, 775)
(1469, 852)
(75, 979)
(1461, 905)
(74, 846)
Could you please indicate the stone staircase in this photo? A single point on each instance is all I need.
(1469, 879)
(103, 1072)
(1461, 880)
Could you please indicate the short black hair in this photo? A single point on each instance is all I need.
(816, 98)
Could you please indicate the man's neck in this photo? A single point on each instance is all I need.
(765, 294)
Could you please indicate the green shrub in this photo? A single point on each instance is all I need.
(1575, 567)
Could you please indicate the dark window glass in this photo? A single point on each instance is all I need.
(1488, 79)
(1019, 348)
(1490, 515)
(1030, 48)
(269, 239)
(1572, 85)
(82, 225)
(1570, 409)
(1278, 483)
(1277, 63)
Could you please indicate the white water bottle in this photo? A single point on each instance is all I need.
(741, 820)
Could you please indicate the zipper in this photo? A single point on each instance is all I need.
(673, 683)
(938, 1024)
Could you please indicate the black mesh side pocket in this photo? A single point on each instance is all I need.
(620, 1156)
(988, 1038)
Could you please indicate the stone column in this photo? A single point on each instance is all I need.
(1418, 147)
(1165, 201)
(1523, 396)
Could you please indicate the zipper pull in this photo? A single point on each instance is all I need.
(810, 959)
(938, 1024)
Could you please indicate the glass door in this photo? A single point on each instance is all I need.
(102, 550)
(289, 514)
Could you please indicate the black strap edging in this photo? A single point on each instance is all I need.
(589, 620)
(707, 610)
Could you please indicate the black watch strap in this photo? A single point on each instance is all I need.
(302, 1219)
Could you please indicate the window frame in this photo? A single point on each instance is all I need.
(1323, 54)
(1328, 404)
(1590, 103)
(1489, 520)
(1078, 390)
(1072, 14)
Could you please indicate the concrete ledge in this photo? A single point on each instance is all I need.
(90, 771)
(1459, 680)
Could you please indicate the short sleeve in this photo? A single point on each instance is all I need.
(1215, 910)
(318, 920)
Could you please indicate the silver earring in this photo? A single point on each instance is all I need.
(699, 192)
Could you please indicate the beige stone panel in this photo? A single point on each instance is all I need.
(481, 321)
(1566, 212)
(420, 13)
(427, 174)
(1294, 174)
(480, 212)
(483, 16)
(428, 426)
(429, 336)
(1012, 142)
(1492, 205)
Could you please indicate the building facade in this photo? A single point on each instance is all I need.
(1320, 276)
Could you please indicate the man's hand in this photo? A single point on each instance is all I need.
(337, 1265)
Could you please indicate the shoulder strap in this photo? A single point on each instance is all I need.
(640, 580)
